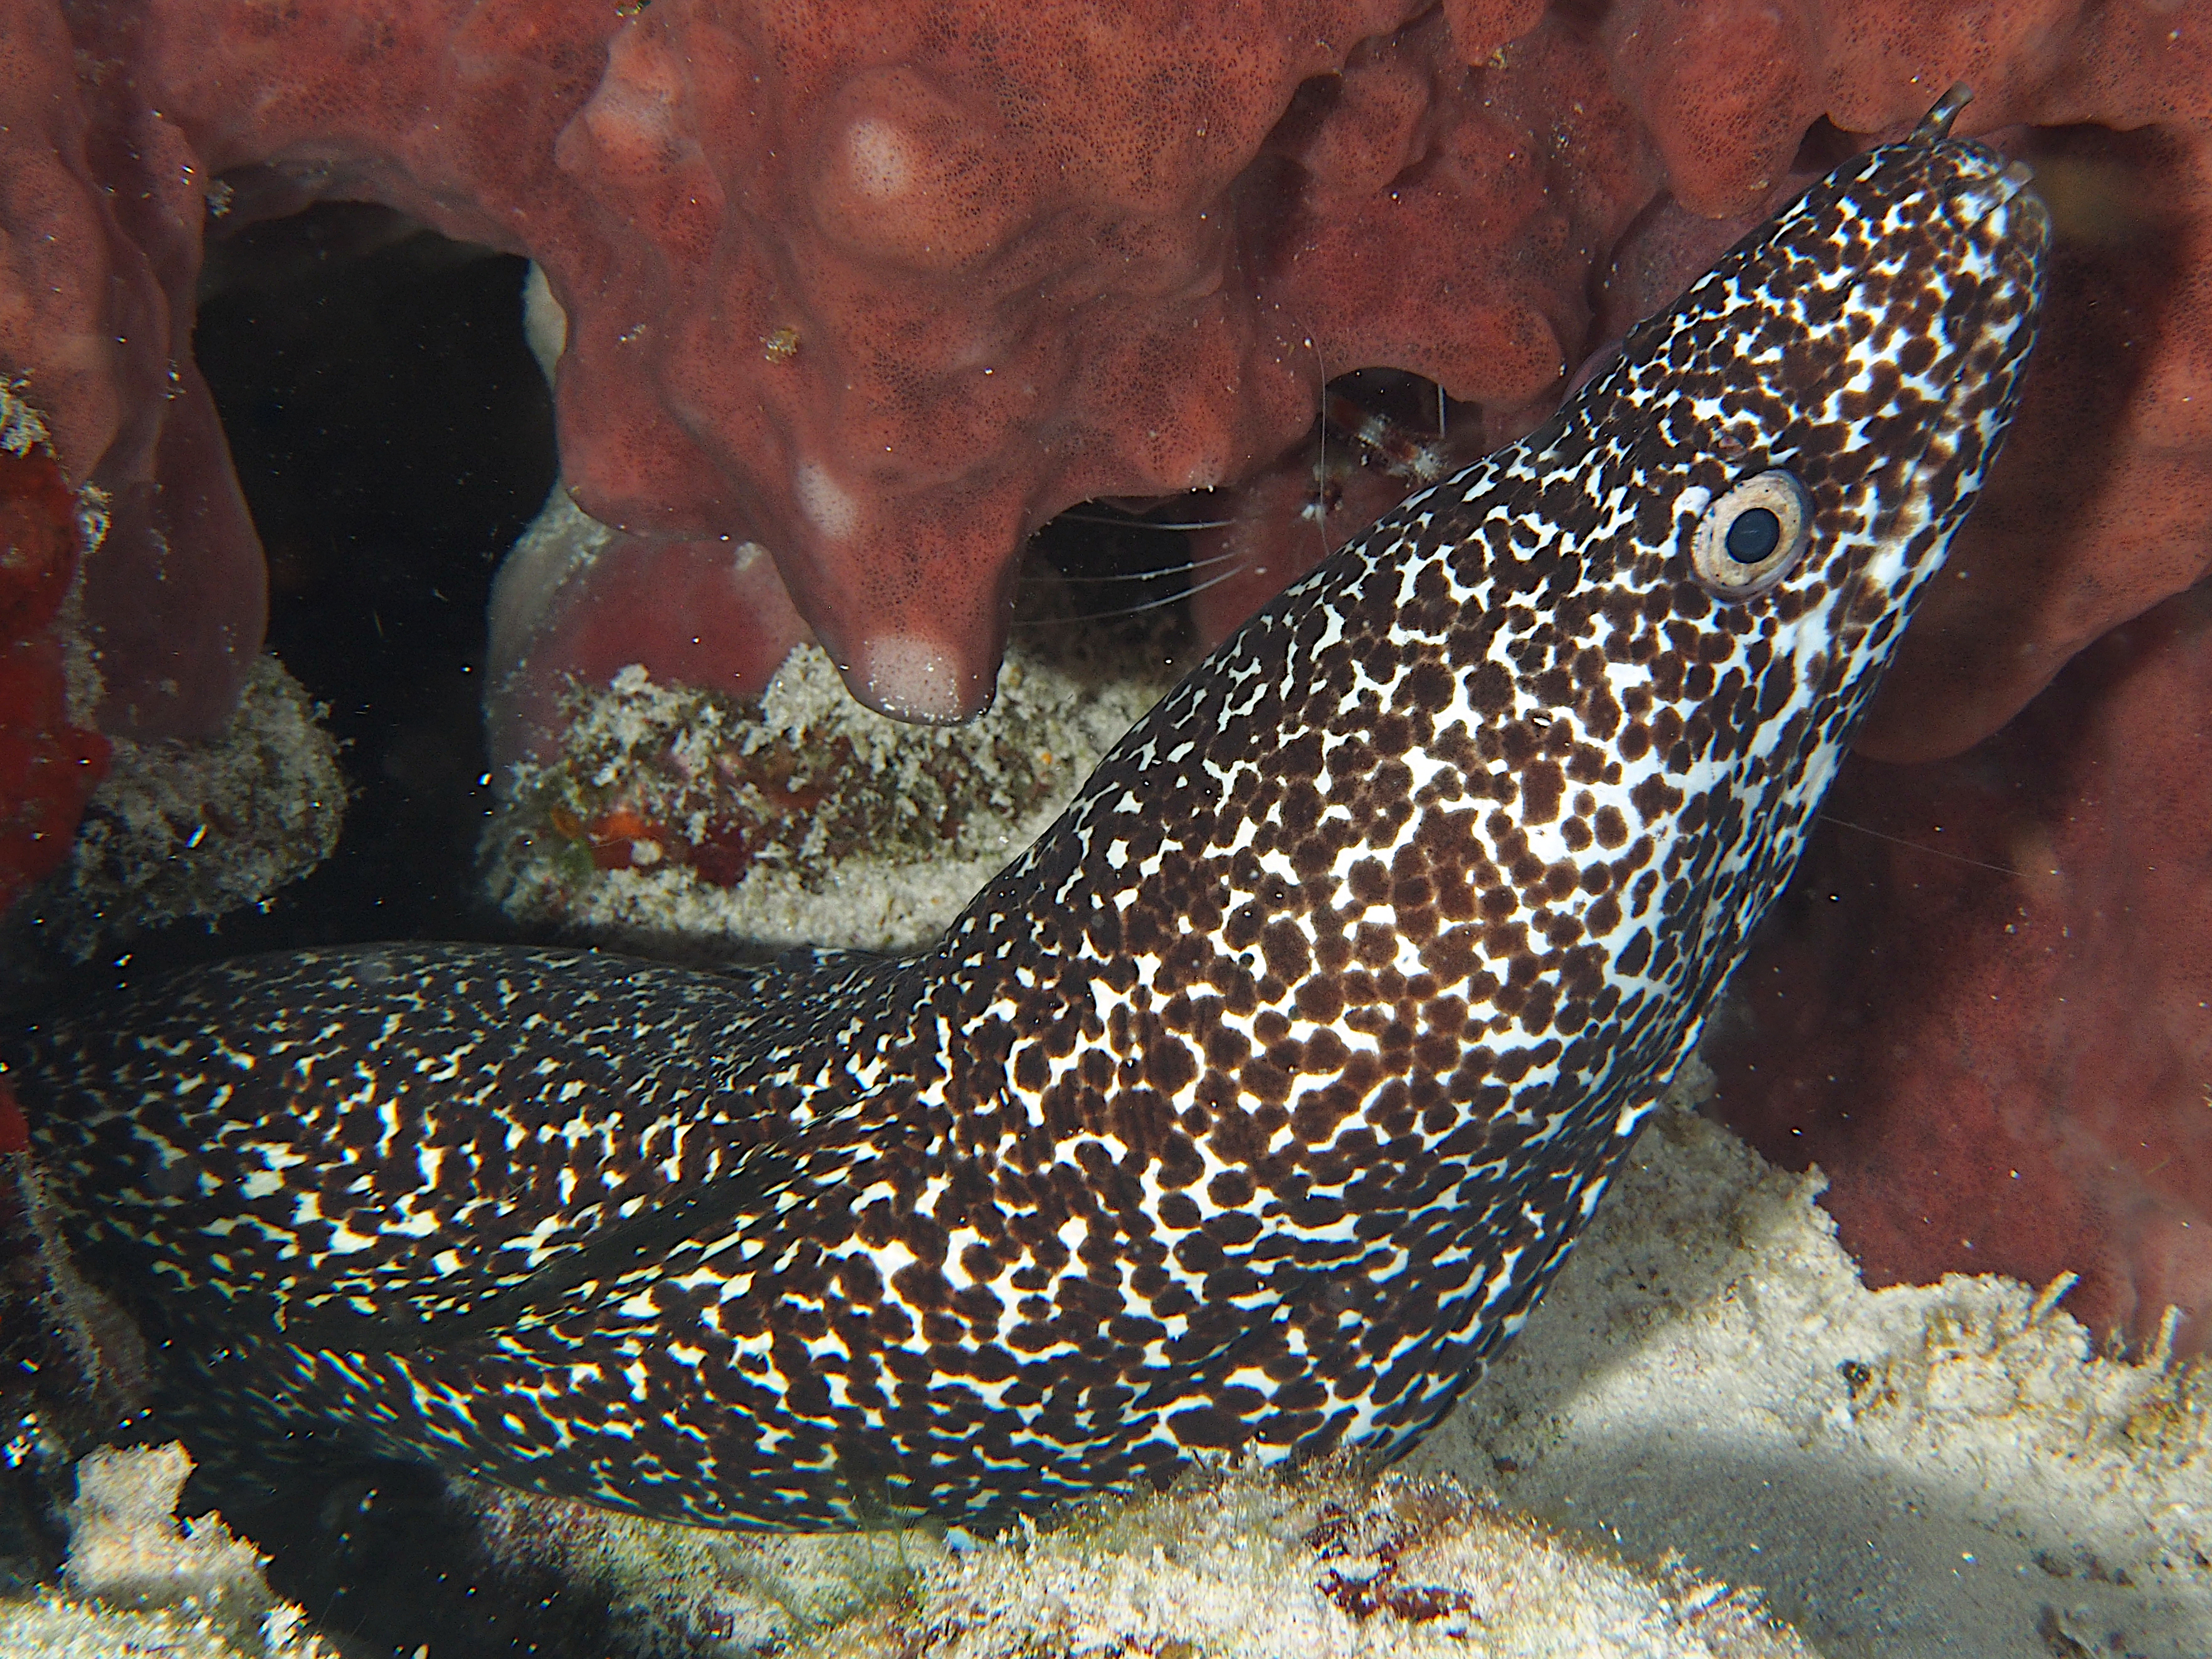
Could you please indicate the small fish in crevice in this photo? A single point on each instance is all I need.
(1249, 1110)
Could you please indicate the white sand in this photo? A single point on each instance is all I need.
(1940, 1470)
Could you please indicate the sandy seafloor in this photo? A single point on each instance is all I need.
(1708, 1419)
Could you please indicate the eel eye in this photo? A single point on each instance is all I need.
(1750, 536)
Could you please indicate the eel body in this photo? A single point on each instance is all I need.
(1248, 1111)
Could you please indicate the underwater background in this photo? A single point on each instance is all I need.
(699, 480)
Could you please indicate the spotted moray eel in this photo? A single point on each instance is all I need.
(1248, 1111)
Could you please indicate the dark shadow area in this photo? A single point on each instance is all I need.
(393, 436)
(386, 1557)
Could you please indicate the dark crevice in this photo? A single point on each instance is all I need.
(392, 435)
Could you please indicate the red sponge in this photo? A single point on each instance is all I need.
(47, 766)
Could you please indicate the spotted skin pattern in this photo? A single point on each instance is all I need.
(1250, 1109)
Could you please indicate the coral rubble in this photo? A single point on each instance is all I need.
(182, 827)
(672, 816)
(1946, 1468)
(137, 1581)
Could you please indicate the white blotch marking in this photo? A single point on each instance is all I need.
(829, 506)
(910, 676)
(878, 158)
